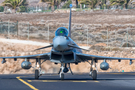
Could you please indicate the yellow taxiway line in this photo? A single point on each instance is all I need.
(79, 81)
(122, 73)
(60, 81)
(32, 87)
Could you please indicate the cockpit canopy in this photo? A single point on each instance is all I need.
(61, 31)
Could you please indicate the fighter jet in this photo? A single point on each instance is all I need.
(65, 51)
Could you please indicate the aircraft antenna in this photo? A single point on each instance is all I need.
(69, 28)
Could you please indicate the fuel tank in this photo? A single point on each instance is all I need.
(104, 66)
(26, 65)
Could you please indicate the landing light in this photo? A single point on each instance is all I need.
(38, 65)
(93, 66)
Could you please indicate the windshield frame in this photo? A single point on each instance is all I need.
(62, 31)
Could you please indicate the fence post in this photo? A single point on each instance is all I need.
(28, 30)
(107, 36)
(115, 37)
(8, 29)
(0, 25)
(17, 28)
(87, 35)
(127, 37)
(48, 32)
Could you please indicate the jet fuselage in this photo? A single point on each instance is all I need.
(61, 51)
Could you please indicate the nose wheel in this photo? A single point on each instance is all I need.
(61, 72)
(64, 69)
(62, 76)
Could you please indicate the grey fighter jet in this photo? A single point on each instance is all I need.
(65, 51)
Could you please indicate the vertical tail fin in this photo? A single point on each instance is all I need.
(69, 27)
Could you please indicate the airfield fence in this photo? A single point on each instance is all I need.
(83, 34)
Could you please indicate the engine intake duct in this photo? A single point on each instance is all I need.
(56, 56)
(69, 56)
(66, 57)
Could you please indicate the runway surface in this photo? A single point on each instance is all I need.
(105, 81)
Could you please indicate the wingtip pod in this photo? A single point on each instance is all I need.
(3, 61)
(130, 62)
(119, 60)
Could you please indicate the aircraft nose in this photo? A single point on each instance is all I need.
(60, 43)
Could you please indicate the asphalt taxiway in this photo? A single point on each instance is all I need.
(105, 81)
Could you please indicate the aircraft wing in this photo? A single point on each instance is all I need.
(86, 57)
(41, 56)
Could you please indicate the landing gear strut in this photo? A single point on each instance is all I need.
(38, 69)
(64, 69)
(62, 73)
(93, 73)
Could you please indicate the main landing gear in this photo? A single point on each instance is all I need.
(38, 72)
(64, 69)
(93, 73)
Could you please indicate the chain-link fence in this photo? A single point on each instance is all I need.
(91, 34)
(8, 28)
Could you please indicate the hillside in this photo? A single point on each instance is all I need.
(83, 17)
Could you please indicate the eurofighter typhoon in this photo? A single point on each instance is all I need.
(65, 51)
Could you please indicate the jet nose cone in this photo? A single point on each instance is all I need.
(60, 43)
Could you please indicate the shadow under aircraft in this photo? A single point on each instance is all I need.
(65, 51)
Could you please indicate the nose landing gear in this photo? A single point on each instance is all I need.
(61, 72)
(64, 69)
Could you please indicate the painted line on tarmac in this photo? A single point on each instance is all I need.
(79, 81)
(123, 73)
(32, 87)
(58, 81)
